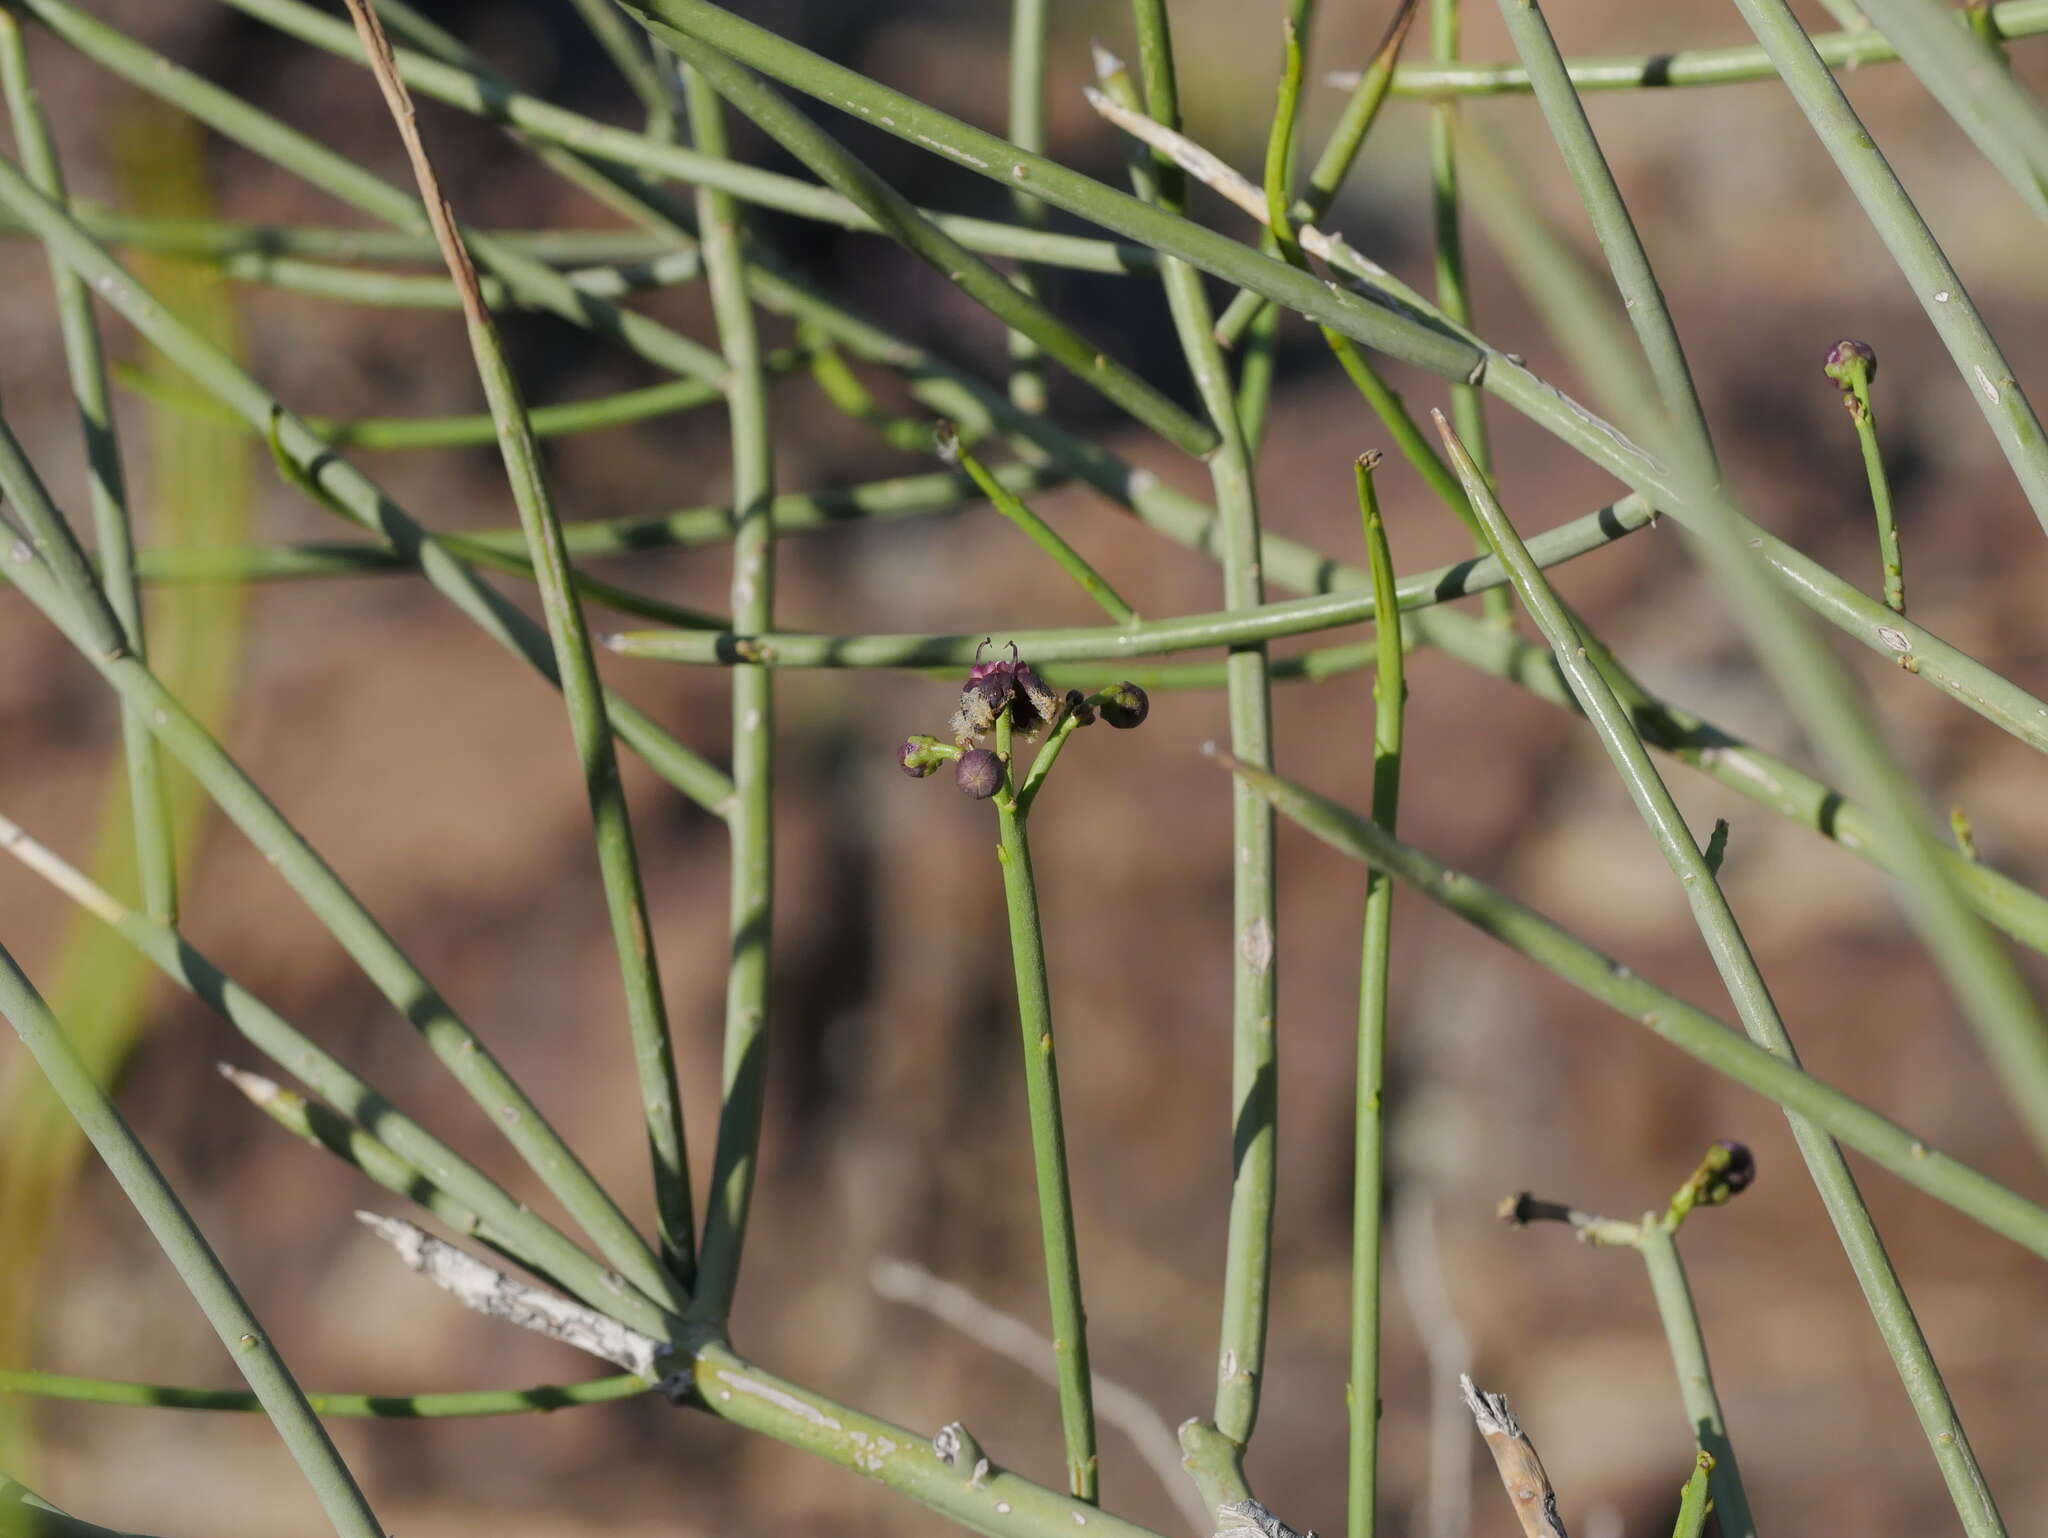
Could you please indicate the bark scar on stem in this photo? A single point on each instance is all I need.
(1521, 1471)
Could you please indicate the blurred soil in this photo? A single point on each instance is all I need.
(439, 779)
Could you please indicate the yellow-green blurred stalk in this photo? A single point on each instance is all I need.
(194, 489)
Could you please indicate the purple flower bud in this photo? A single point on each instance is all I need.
(979, 773)
(1125, 706)
(1737, 1169)
(913, 759)
(1844, 355)
(1079, 708)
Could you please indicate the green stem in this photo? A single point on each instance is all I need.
(1641, 295)
(1029, 20)
(590, 727)
(186, 1248)
(1235, 627)
(751, 820)
(1695, 1378)
(514, 1226)
(898, 218)
(1991, 380)
(1580, 661)
(624, 45)
(1040, 533)
(1693, 1503)
(1453, 291)
(381, 434)
(344, 487)
(466, 84)
(796, 512)
(1865, 418)
(1254, 1097)
(1965, 71)
(967, 1489)
(463, 1402)
(155, 848)
(1390, 691)
(1361, 110)
(1692, 66)
(1048, 1136)
(368, 944)
(422, 291)
(1690, 1029)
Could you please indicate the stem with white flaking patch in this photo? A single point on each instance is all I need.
(490, 1291)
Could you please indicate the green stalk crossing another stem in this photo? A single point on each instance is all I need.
(248, 1345)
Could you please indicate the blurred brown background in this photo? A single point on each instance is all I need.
(437, 776)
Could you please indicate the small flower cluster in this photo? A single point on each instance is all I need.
(1011, 686)
(1846, 359)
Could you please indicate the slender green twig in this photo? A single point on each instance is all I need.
(1852, 365)
(461, 1402)
(1993, 994)
(381, 434)
(1041, 533)
(155, 850)
(1846, 49)
(1453, 289)
(1653, 1239)
(1254, 1095)
(532, 283)
(1964, 71)
(1690, 1029)
(344, 487)
(751, 820)
(1641, 296)
(946, 1473)
(351, 924)
(1048, 1132)
(627, 49)
(1386, 404)
(898, 218)
(1326, 178)
(514, 1226)
(997, 159)
(1693, 1504)
(582, 692)
(425, 291)
(1029, 20)
(1978, 358)
(796, 512)
(1760, 1017)
(1576, 305)
(1389, 689)
(222, 240)
(251, 1349)
(468, 85)
(1695, 1377)
(375, 1160)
